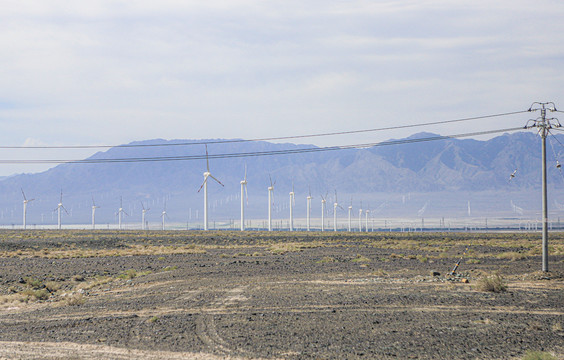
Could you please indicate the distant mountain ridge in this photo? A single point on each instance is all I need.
(450, 165)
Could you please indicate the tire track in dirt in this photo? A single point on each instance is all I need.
(67, 350)
(206, 327)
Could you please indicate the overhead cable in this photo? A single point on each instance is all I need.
(256, 153)
(267, 138)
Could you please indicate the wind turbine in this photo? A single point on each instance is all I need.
(204, 185)
(335, 206)
(58, 210)
(120, 211)
(270, 200)
(25, 201)
(323, 201)
(350, 217)
(243, 192)
(308, 214)
(143, 212)
(360, 218)
(164, 215)
(366, 212)
(94, 207)
(292, 203)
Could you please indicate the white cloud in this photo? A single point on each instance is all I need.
(117, 71)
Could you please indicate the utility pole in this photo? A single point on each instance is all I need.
(544, 126)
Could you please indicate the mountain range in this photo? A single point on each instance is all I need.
(441, 177)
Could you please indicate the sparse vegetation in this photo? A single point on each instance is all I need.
(538, 355)
(74, 299)
(360, 258)
(493, 283)
(325, 260)
(132, 273)
(41, 294)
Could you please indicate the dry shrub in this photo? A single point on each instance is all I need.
(75, 299)
(493, 283)
(538, 355)
(40, 294)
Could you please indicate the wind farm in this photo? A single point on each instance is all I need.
(245, 269)
(281, 180)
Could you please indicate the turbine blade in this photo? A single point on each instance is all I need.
(65, 209)
(245, 172)
(23, 194)
(201, 186)
(219, 182)
(246, 194)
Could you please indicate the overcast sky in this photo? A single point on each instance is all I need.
(111, 72)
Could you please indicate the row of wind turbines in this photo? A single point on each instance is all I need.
(60, 207)
(244, 195)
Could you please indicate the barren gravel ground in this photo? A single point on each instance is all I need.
(217, 295)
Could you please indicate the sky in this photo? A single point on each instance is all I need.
(112, 72)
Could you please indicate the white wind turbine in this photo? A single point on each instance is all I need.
(350, 215)
(335, 206)
(360, 218)
(204, 185)
(243, 193)
(366, 212)
(58, 210)
(143, 212)
(94, 207)
(121, 211)
(308, 211)
(323, 202)
(292, 203)
(25, 201)
(164, 215)
(270, 201)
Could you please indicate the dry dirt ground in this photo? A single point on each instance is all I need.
(217, 295)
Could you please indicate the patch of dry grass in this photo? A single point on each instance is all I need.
(492, 283)
(128, 250)
(282, 248)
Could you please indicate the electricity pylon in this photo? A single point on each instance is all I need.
(544, 126)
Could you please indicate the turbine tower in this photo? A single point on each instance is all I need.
(243, 193)
(360, 218)
(323, 201)
(143, 212)
(335, 206)
(121, 211)
(58, 210)
(350, 215)
(204, 185)
(308, 213)
(94, 207)
(25, 201)
(164, 215)
(366, 222)
(292, 203)
(270, 200)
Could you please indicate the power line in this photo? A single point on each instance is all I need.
(268, 138)
(257, 153)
